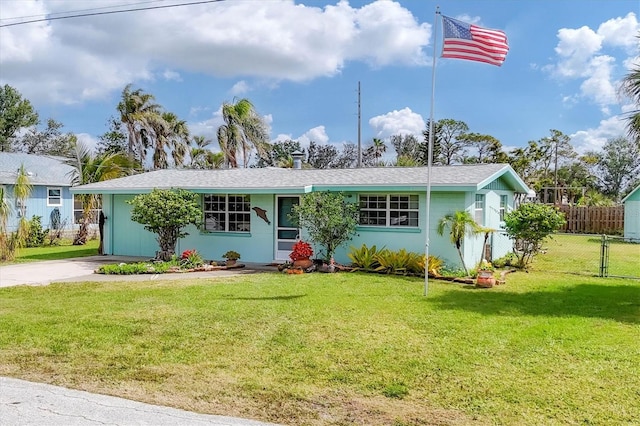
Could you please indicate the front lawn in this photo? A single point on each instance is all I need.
(346, 348)
(65, 250)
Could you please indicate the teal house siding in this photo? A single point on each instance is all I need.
(453, 188)
(44, 172)
(632, 215)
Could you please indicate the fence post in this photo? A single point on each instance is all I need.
(604, 257)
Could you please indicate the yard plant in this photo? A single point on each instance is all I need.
(349, 348)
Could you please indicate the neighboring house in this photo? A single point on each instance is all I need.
(632, 215)
(51, 180)
(392, 208)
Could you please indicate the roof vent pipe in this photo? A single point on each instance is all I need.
(297, 159)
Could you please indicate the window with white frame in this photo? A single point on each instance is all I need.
(479, 210)
(54, 196)
(78, 209)
(389, 210)
(503, 206)
(227, 213)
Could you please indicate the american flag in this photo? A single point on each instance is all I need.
(474, 43)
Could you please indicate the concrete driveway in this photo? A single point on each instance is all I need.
(27, 403)
(82, 269)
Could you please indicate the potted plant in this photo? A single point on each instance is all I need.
(300, 255)
(232, 257)
(485, 276)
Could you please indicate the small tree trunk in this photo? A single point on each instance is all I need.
(83, 232)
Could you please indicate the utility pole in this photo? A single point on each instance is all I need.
(359, 131)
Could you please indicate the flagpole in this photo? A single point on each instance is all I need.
(430, 154)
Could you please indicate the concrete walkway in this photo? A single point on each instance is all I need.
(24, 403)
(82, 269)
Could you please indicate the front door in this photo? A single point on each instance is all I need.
(286, 232)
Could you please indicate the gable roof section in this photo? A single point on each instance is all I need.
(269, 180)
(632, 193)
(45, 170)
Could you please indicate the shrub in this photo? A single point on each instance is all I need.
(530, 225)
(134, 268)
(510, 259)
(434, 267)
(36, 235)
(231, 255)
(364, 257)
(401, 261)
(191, 259)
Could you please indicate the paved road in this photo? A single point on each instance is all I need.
(25, 403)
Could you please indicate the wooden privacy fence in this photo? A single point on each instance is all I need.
(593, 220)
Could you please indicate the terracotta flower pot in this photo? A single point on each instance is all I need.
(303, 263)
(231, 262)
(485, 279)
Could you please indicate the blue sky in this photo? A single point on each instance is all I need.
(300, 63)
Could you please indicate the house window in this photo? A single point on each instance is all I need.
(78, 210)
(227, 213)
(503, 206)
(389, 210)
(54, 196)
(479, 211)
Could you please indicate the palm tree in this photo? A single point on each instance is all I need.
(379, 148)
(5, 212)
(90, 169)
(243, 131)
(171, 134)
(137, 112)
(460, 224)
(631, 88)
(22, 191)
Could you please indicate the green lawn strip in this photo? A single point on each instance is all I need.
(63, 251)
(310, 349)
(580, 254)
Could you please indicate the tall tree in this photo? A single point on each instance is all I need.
(90, 168)
(50, 141)
(171, 135)
(321, 156)
(424, 146)
(243, 131)
(113, 140)
(15, 114)
(405, 146)
(280, 152)
(618, 166)
(137, 112)
(484, 149)
(631, 87)
(451, 143)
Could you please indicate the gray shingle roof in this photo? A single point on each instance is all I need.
(276, 179)
(45, 170)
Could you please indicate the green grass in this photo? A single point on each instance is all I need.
(580, 254)
(63, 251)
(348, 348)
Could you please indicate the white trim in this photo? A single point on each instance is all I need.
(49, 188)
(387, 211)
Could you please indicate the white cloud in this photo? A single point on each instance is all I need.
(594, 139)
(171, 75)
(88, 140)
(580, 56)
(72, 60)
(240, 88)
(318, 135)
(397, 122)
